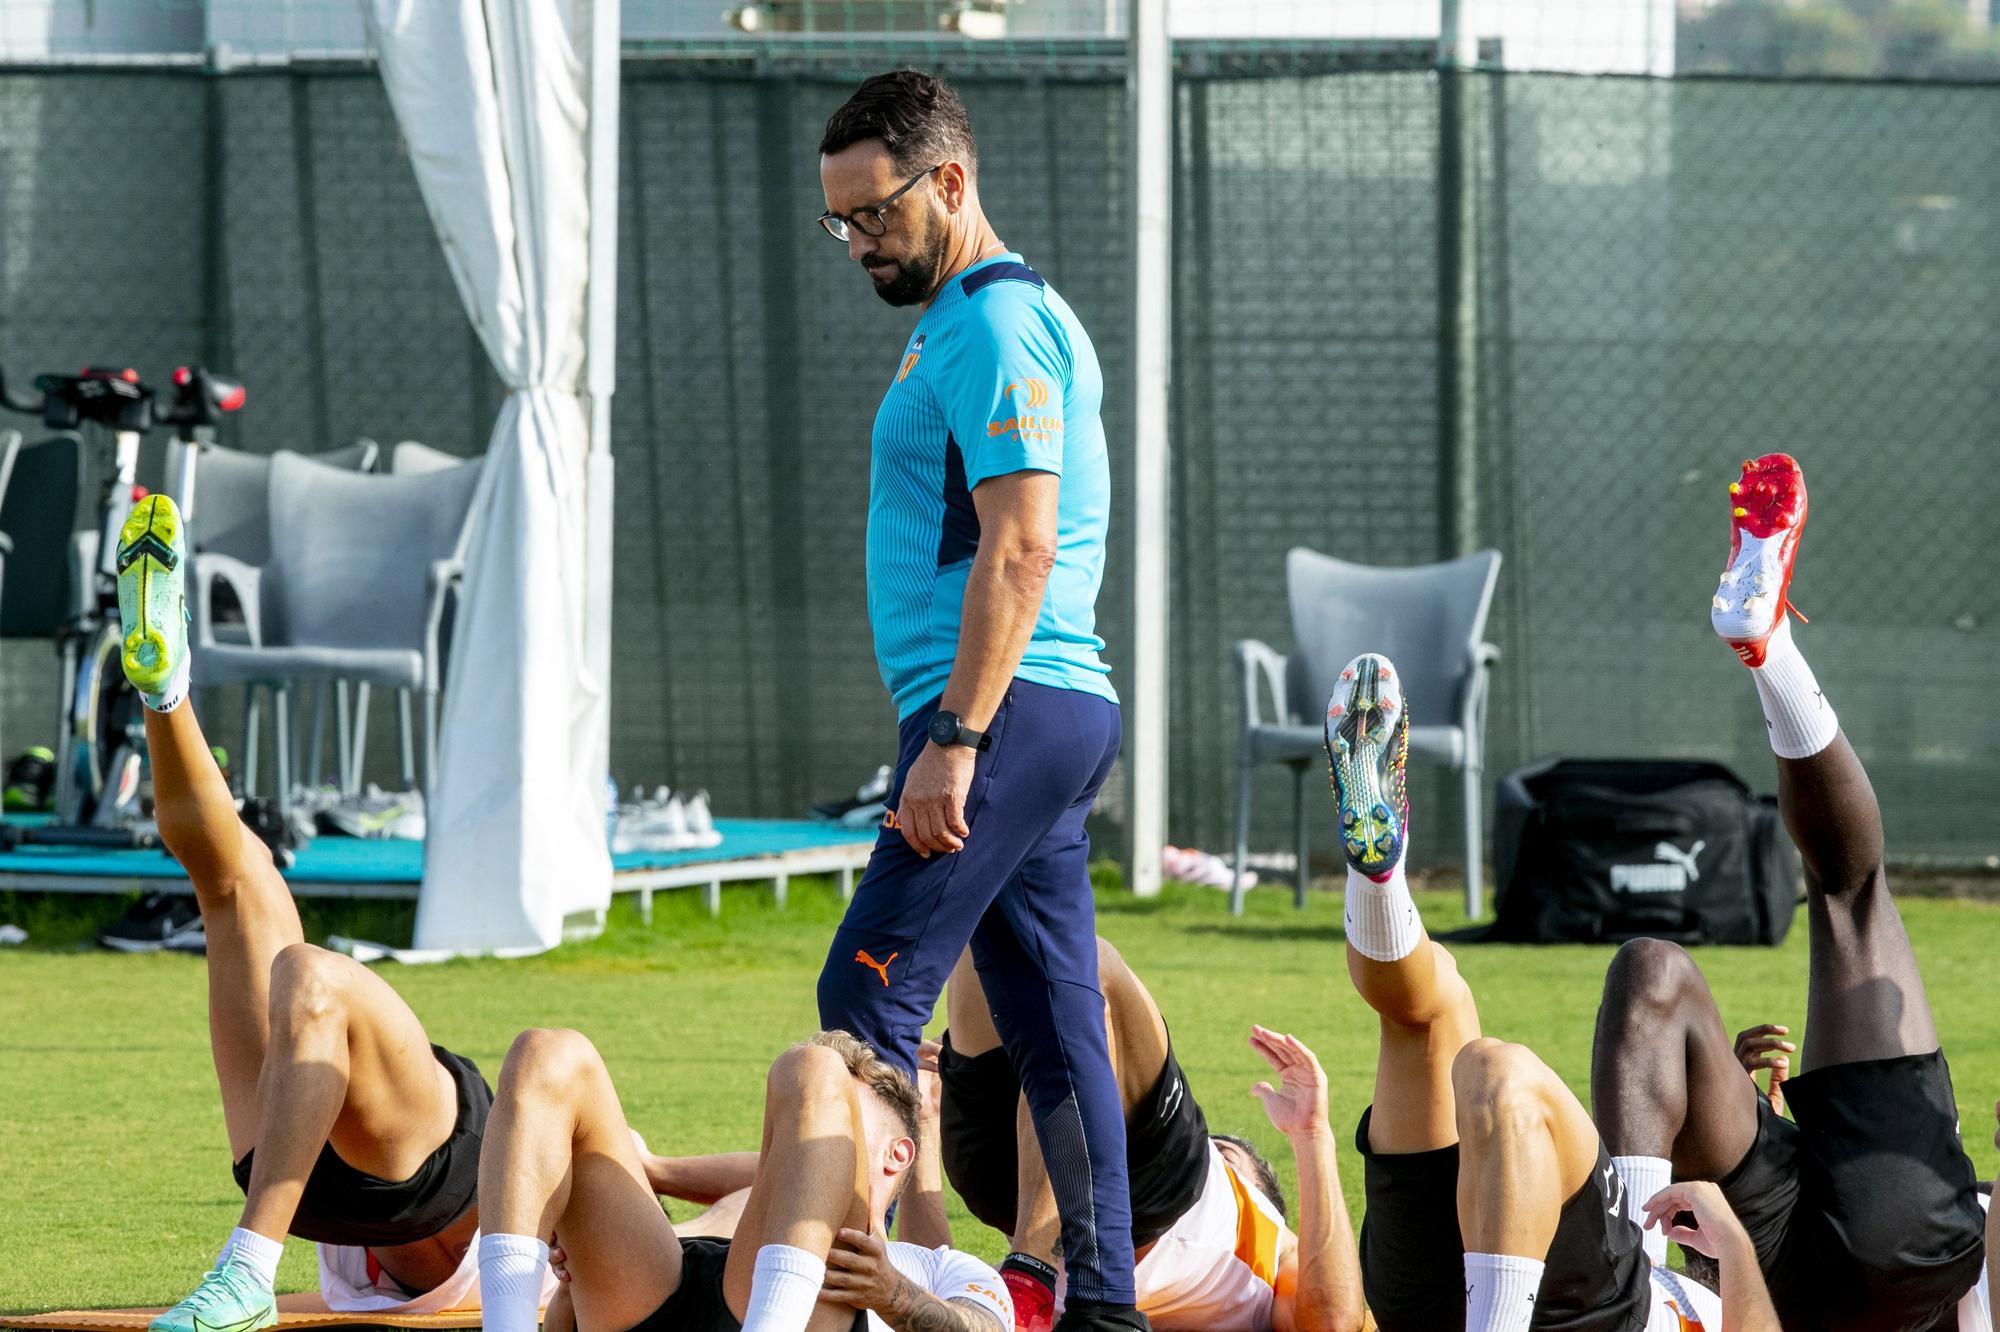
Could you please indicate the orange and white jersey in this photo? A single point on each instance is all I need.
(1681, 1305)
(1218, 1266)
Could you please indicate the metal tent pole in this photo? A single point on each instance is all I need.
(1152, 213)
(601, 342)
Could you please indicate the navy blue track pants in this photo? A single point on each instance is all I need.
(1019, 893)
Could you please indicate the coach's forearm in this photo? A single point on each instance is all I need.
(1746, 1304)
(701, 1179)
(1003, 598)
(1329, 1295)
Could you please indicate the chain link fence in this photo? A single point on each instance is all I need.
(1668, 275)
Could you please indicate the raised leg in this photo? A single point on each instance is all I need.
(1525, 1148)
(247, 911)
(1865, 996)
(813, 1175)
(558, 1159)
(347, 1064)
(1664, 1079)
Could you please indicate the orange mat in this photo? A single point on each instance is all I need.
(135, 1320)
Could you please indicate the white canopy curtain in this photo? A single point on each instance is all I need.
(492, 97)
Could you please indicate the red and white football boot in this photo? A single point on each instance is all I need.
(1767, 514)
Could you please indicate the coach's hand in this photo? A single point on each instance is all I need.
(932, 815)
(1765, 1047)
(1297, 1105)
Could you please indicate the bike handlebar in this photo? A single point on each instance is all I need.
(116, 398)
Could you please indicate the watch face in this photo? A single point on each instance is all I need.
(944, 728)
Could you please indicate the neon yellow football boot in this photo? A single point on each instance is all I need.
(152, 607)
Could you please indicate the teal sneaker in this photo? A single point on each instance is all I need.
(152, 607)
(1367, 749)
(232, 1298)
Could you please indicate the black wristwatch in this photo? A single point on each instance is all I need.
(948, 730)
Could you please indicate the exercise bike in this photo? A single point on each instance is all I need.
(101, 737)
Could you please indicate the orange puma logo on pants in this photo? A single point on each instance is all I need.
(879, 968)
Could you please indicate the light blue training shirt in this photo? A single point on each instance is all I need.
(998, 377)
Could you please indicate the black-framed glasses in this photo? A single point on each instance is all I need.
(869, 221)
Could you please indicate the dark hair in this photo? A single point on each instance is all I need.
(917, 116)
(1267, 1178)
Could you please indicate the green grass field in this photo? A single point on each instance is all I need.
(114, 1181)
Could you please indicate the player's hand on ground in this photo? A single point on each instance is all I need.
(931, 816)
(859, 1273)
(1765, 1047)
(1297, 1104)
(1715, 1227)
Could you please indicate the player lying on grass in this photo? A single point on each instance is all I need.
(841, 1130)
(346, 1125)
(1863, 1207)
(1208, 1218)
(1491, 1203)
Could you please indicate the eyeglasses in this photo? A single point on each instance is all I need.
(869, 221)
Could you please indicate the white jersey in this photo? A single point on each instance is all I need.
(1218, 1266)
(1974, 1313)
(1682, 1305)
(950, 1275)
(350, 1283)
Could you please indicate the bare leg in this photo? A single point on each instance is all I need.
(812, 1178)
(1526, 1147)
(347, 1063)
(719, 1221)
(1427, 1016)
(246, 909)
(1664, 1079)
(1865, 996)
(558, 1158)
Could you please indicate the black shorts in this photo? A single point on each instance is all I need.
(1865, 1211)
(342, 1205)
(1166, 1143)
(697, 1304)
(1413, 1260)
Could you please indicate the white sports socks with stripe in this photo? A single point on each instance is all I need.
(510, 1282)
(784, 1287)
(1645, 1176)
(1500, 1292)
(1800, 720)
(1381, 918)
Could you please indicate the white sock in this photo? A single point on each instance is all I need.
(1645, 1176)
(511, 1269)
(1800, 721)
(1382, 918)
(784, 1287)
(1500, 1292)
(259, 1253)
(176, 688)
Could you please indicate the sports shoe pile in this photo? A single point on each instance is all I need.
(377, 813)
(664, 822)
(158, 921)
(863, 809)
(1187, 865)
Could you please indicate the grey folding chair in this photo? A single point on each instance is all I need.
(409, 458)
(1430, 620)
(362, 575)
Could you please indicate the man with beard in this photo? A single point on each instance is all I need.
(989, 497)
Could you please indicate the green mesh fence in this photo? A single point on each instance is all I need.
(1669, 275)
